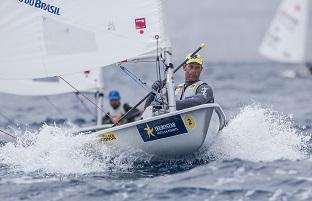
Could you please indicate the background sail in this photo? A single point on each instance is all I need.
(286, 38)
(85, 82)
(51, 37)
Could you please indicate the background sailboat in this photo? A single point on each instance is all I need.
(74, 42)
(286, 39)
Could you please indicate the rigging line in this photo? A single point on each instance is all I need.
(84, 104)
(86, 97)
(134, 77)
(54, 106)
(138, 82)
(8, 134)
(141, 61)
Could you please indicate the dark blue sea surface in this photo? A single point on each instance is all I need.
(262, 154)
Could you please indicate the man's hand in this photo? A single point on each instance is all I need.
(116, 118)
(157, 86)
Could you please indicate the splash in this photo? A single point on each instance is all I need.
(260, 134)
(57, 151)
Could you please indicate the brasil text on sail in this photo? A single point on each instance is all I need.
(41, 5)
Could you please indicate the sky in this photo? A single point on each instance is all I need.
(232, 29)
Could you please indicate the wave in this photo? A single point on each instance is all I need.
(261, 134)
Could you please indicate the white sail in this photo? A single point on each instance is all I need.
(44, 38)
(88, 81)
(286, 38)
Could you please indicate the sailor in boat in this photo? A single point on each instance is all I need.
(118, 109)
(193, 91)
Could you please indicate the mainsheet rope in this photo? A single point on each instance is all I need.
(86, 97)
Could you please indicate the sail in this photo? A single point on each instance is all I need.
(286, 38)
(88, 81)
(45, 38)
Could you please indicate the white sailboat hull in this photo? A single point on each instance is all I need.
(170, 135)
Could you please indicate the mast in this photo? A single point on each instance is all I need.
(170, 80)
(99, 96)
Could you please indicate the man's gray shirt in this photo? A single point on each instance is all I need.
(203, 95)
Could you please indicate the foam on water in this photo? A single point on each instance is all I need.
(56, 150)
(260, 134)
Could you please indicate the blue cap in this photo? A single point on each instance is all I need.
(114, 95)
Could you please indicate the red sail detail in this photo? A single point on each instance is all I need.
(140, 23)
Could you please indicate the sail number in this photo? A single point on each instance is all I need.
(189, 121)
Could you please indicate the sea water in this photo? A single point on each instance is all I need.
(262, 154)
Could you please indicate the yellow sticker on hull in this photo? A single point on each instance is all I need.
(108, 137)
(189, 121)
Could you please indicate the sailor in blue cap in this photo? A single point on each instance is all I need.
(118, 109)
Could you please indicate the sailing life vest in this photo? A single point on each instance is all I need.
(119, 110)
(182, 93)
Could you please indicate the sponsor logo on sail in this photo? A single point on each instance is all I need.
(140, 24)
(162, 128)
(87, 73)
(42, 5)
